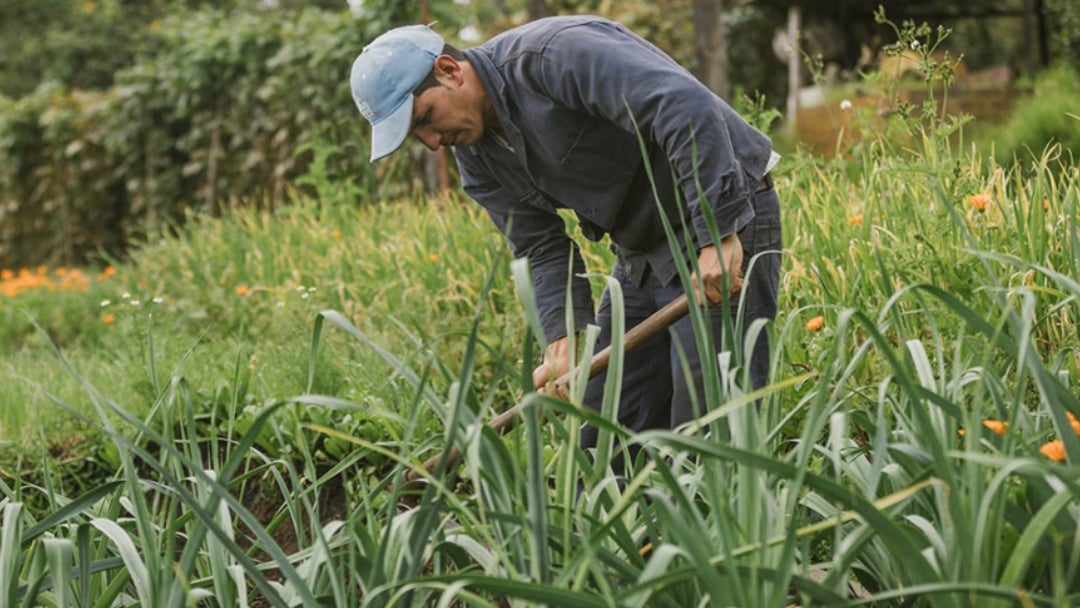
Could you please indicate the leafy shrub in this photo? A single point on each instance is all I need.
(228, 108)
(1063, 16)
(1050, 116)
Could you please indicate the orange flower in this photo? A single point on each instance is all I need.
(6, 274)
(1046, 204)
(996, 425)
(108, 319)
(434, 257)
(1054, 450)
(336, 234)
(75, 281)
(979, 201)
(855, 220)
(1074, 422)
(242, 290)
(816, 323)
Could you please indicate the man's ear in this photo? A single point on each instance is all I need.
(446, 67)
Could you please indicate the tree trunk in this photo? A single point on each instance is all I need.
(537, 9)
(436, 174)
(710, 47)
(794, 56)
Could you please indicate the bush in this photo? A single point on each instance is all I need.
(1048, 117)
(232, 106)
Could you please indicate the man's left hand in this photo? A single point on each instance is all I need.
(716, 263)
(556, 363)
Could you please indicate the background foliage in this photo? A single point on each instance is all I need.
(115, 116)
(230, 105)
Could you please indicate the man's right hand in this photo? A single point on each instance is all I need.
(719, 265)
(556, 363)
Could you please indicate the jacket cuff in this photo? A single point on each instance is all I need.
(734, 217)
(553, 322)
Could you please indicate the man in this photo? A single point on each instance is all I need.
(547, 116)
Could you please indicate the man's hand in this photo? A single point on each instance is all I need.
(556, 363)
(714, 263)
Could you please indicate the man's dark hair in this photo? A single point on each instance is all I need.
(429, 80)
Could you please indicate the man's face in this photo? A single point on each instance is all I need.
(446, 114)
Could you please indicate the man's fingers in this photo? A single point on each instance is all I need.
(554, 389)
(714, 290)
(736, 283)
(541, 375)
(544, 381)
(546, 384)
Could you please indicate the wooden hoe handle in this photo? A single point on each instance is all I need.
(657, 322)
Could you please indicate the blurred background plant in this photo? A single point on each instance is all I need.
(1050, 116)
(117, 117)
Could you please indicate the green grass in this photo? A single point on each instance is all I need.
(246, 449)
(177, 302)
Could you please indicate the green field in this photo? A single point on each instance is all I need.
(226, 416)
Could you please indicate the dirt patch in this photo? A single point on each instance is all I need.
(266, 503)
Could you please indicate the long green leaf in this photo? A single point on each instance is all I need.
(1034, 534)
(134, 564)
(9, 551)
(72, 509)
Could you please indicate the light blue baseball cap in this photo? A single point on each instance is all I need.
(383, 79)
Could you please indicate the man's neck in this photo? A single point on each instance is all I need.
(491, 119)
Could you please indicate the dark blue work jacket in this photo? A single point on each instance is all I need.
(572, 94)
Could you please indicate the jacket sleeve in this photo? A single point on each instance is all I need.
(539, 235)
(603, 69)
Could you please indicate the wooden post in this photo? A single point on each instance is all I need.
(710, 46)
(794, 57)
(1038, 9)
(436, 175)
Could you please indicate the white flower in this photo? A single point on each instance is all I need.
(304, 296)
(105, 303)
(135, 302)
(126, 296)
(914, 45)
(845, 104)
(159, 300)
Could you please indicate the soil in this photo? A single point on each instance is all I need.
(264, 501)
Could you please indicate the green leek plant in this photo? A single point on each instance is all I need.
(844, 482)
(850, 485)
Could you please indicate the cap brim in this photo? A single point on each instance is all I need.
(391, 132)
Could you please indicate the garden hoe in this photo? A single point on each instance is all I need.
(657, 322)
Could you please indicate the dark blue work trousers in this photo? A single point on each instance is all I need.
(655, 393)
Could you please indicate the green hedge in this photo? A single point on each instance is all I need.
(1049, 116)
(230, 107)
